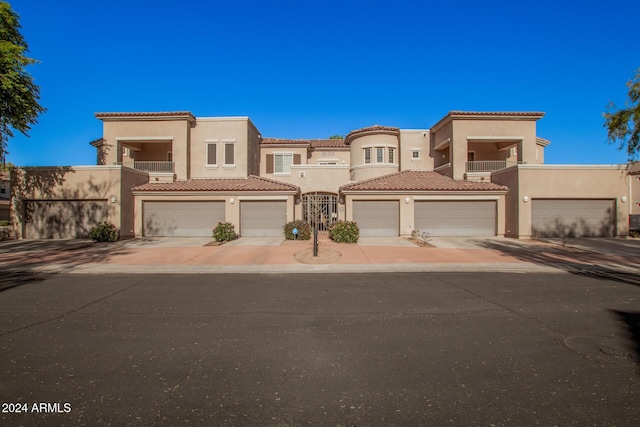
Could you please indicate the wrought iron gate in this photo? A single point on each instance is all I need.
(320, 209)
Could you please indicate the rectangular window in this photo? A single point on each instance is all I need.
(229, 154)
(392, 155)
(212, 154)
(415, 154)
(367, 155)
(282, 163)
(379, 155)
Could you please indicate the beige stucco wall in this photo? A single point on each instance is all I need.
(300, 150)
(340, 156)
(634, 192)
(564, 182)
(76, 183)
(128, 130)
(222, 130)
(361, 170)
(415, 139)
(232, 204)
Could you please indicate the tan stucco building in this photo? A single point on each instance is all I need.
(470, 174)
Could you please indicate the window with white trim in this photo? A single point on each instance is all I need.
(392, 155)
(415, 154)
(367, 155)
(229, 154)
(379, 155)
(282, 163)
(212, 154)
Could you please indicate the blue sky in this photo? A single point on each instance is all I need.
(302, 69)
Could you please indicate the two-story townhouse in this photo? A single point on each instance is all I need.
(470, 174)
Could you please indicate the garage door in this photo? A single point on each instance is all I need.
(377, 218)
(263, 218)
(456, 218)
(63, 219)
(186, 219)
(572, 218)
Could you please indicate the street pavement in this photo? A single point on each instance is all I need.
(385, 349)
(275, 255)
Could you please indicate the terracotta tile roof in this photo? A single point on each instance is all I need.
(419, 181)
(485, 114)
(251, 183)
(186, 114)
(373, 128)
(313, 143)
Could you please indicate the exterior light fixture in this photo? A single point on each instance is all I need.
(113, 199)
(232, 200)
(525, 199)
(624, 199)
(407, 200)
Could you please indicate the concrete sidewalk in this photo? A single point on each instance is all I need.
(275, 255)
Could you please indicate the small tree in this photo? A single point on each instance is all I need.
(19, 95)
(623, 125)
(336, 136)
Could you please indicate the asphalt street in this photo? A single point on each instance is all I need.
(397, 349)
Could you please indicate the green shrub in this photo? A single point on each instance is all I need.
(104, 232)
(304, 230)
(4, 223)
(224, 232)
(344, 232)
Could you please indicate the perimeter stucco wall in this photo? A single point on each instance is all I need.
(232, 204)
(563, 182)
(119, 131)
(77, 183)
(223, 130)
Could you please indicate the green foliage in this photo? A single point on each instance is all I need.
(344, 232)
(304, 230)
(19, 95)
(104, 232)
(4, 223)
(623, 125)
(225, 232)
(336, 136)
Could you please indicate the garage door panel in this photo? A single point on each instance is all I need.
(377, 218)
(572, 218)
(182, 219)
(474, 218)
(263, 218)
(63, 219)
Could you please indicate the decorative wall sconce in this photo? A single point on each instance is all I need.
(232, 200)
(407, 200)
(525, 199)
(113, 199)
(624, 199)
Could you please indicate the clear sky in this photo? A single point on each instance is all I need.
(306, 69)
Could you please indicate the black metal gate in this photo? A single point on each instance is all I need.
(320, 209)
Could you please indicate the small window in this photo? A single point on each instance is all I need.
(379, 155)
(282, 163)
(212, 154)
(3, 190)
(392, 155)
(229, 154)
(367, 155)
(471, 156)
(415, 154)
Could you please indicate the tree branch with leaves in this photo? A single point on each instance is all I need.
(19, 95)
(623, 125)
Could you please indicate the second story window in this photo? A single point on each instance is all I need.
(282, 163)
(229, 154)
(367, 155)
(392, 155)
(415, 154)
(379, 155)
(212, 154)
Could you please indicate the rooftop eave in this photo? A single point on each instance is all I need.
(146, 116)
(542, 142)
(495, 115)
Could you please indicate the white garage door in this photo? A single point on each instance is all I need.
(377, 218)
(572, 218)
(263, 218)
(185, 219)
(456, 218)
(63, 219)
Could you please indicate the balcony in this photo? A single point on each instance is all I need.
(489, 165)
(159, 167)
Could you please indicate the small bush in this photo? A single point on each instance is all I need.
(344, 232)
(304, 230)
(225, 232)
(104, 232)
(4, 223)
(634, 233)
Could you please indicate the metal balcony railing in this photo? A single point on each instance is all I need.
(149, 166)
(489, 165)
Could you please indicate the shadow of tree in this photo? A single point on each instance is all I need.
(571, 260)
(631, 320)
(579, 227)
(10, 280)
